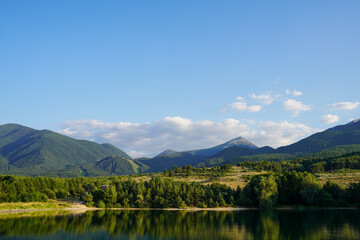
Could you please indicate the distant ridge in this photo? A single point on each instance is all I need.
(166, 152)
(170, 158)
(236, 142)
(346, 134)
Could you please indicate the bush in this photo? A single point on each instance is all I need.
(61, 194)
(50, 193)
(34, 197)
(101, 204)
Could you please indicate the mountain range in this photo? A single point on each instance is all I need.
(29, 152)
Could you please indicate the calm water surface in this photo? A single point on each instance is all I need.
(246, 224)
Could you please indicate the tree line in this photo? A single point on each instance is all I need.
(312, 165)
(264, 191)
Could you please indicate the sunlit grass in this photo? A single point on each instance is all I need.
(35, 205)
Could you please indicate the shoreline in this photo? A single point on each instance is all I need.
(82, 209)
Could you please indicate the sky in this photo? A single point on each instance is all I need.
(147, 76)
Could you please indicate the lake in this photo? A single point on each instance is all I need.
(243, 224)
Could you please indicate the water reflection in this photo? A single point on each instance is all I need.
(249, 224)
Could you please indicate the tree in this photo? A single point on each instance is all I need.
(61, 194)
(220, 200)
(266, 191)
(50, 193)
(179, 203)
(310, 189)
(261, 192)
(335, 190)
(110, 196)
(87, 198)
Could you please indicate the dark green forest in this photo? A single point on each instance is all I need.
(314, 164)
(263, 191)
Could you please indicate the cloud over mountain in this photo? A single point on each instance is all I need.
(329, 118)
(148, 139)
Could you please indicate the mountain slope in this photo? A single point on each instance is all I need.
(230, 153)
(31, 152)
(166, 152)
(236, 142)
(170, 158)
(112, 165)
(340, 135)
(159, 163)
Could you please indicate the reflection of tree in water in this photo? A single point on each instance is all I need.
(289, 224)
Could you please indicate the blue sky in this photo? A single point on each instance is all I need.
(151, 75)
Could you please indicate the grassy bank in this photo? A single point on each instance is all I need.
(35, 205)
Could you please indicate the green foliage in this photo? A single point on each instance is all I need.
(318, 164)
(310, 189)
(61, 194)
(352, 194)
(34, 197)
(101, 204)
(263, 191)
(50, 193)
(110, 166)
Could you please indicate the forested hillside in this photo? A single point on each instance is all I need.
(26, 151)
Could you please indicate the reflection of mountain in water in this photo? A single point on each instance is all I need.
(286, 224)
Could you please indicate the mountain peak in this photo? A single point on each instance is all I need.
(240, 141)
(354, 121)
(166, 152)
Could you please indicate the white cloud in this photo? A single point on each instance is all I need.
(264, 98)
(149, 139)
(254, 108)
(295, 93)
(329, 118)
(241, 105)
(345, 105)
(240, 99)
(295, 106)
(278, 134)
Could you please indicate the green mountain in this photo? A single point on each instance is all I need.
(26, 151)
(340, 135)
(109, 166)
(113, 165)
(170, 158)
